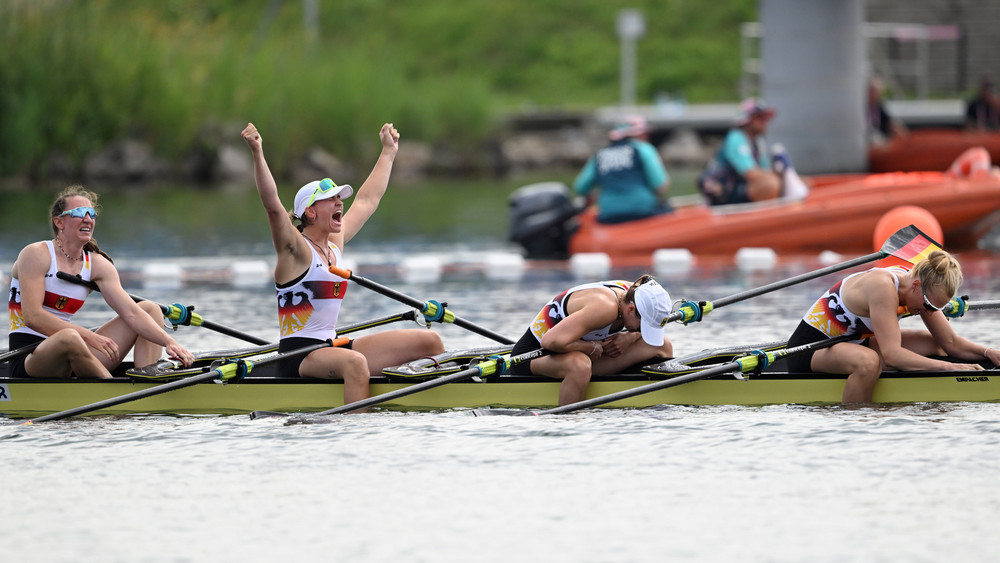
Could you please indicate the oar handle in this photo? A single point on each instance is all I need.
(174, 312)
(418, 304)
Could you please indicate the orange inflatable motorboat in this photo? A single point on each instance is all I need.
(840, 213)
(929, 149)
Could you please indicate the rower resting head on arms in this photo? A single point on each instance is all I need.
(41, 304)
(871, 303)
(309, 295)
(596, 329)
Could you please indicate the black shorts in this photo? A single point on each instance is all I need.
(19, 340)
(805, 334)
(289, 367)
(527, 343)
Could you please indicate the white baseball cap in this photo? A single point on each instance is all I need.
(653, 304)
(319, 190)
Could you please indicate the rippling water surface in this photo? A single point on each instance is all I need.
(777, 483)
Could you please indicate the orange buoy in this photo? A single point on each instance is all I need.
(899, 217)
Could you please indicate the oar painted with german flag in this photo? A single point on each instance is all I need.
(432, 310)
(909, 244)
(237, 369)
(758, 359)
(177, 314)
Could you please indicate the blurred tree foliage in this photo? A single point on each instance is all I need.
(78, 74)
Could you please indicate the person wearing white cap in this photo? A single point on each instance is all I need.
(629, 175)
(597, 329)
(741, 170)
(309, 295)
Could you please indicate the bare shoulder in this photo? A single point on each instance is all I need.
(32, 258)
(102, 270)
(597, 303)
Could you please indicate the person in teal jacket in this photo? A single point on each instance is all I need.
(741, 171)
(629, 173)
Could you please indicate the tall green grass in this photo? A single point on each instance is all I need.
(76, 75)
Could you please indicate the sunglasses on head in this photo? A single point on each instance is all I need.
(325, 185)
(79, 212)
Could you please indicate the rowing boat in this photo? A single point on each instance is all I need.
(26, 398)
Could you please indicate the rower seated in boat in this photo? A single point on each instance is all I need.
(309, 293)
(42, 304)
(871, 303)
(597, 328)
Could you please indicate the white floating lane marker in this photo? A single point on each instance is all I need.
(590, 265)
(420, 269)
(504, 266)
(752, 258)
(672, 262)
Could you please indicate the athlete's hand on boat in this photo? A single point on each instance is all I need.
(177, 352)
(993, 355)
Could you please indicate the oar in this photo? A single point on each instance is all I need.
(177, 314)
(959, 305)
(432, 310)
(489, 367)
(226, 371)
(908, 243)
(743, 364)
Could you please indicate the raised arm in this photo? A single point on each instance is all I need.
(283, 233)
(371, 192)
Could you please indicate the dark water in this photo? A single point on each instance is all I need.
(778, 483)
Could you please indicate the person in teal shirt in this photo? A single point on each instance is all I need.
(629, 174)
(741, 170)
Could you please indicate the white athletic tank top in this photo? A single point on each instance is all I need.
(62, 298)
(310, 305)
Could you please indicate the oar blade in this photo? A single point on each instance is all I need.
(502, 412)
(267, 414)
(910, 244)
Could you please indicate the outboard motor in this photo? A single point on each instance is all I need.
(542, 218)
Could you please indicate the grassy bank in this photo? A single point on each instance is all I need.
(181, 73)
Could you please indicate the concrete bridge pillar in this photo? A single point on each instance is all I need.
(814, 73)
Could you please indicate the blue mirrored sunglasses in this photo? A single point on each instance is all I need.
(325, 185)
(79, 212)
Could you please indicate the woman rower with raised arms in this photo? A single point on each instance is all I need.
(309, 295)
(41, 304)
(872, 302)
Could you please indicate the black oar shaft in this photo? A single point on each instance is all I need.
(179, 384)
(459, 376)
(487, 367)
(414, 302)
(222, 329)
(720, 369)
(781, 284)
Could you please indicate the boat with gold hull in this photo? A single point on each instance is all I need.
(27, 398)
